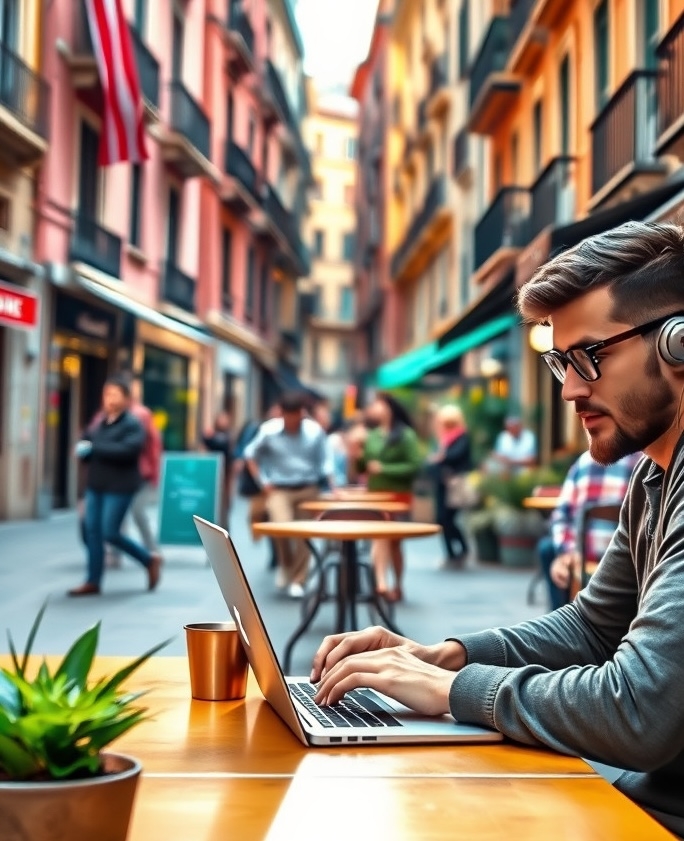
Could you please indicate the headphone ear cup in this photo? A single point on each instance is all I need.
(671, 341)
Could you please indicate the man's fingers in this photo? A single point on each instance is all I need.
(328, 644)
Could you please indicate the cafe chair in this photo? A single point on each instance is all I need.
(547, 492)
(589, 515)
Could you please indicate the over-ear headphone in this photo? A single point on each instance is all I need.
(671, 341)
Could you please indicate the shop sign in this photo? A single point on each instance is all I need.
(18, 308)
(85, 319)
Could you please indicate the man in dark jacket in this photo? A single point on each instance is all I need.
(111, 448)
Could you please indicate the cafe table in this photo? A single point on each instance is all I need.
(232, 770)
(348, 592)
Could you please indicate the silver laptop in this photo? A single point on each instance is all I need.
(362, 717)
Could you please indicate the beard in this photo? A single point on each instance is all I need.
(650, 414)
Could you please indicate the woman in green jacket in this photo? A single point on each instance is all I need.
(391, 460)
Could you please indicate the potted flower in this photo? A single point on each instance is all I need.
(56, 781)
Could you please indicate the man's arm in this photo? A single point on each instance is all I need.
(251, 455)
(127, 448)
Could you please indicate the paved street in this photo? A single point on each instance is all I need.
(44, 558)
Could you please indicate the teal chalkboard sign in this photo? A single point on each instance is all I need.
(190, 484)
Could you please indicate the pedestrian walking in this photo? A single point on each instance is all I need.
(111, 450)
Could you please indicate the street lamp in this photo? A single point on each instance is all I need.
(541, 337)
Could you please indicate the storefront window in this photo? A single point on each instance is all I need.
(166, 392)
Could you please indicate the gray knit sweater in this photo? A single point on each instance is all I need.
(603, 677)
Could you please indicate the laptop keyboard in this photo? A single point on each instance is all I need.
(356, 709)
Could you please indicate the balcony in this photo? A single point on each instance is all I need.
(185, 142)
(24, 102)
(439, 97)
(148, 73)
(79, 54)
(241, 189)
(502, 230)
(492, 88)
(281, 225)
(528, 38)
(553, 196)
(427, 230)
(177, 287)
(462, 166)
(95, 246)
(671, 91)
(275, 98)
(623, 142)
(240, 40)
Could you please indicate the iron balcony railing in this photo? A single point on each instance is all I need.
(519, 15)
(238, 165)
(238, 21)
(148, 69)
(504, 224)
(24, 92)
(461, 152)
(670, 53)
(188, 118)
(279, 95)
(492, 55)
(625, 131)
(553, 196)
(436, 198)
(439, 73)
(287, 223)
(96, 246)
(178, 288)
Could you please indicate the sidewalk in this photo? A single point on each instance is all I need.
(42, 559)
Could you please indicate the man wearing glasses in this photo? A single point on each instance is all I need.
(602, 677)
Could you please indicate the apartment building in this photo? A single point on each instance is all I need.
(330, 134)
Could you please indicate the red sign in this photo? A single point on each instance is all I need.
(18, 308)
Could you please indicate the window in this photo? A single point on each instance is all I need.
(315, 356)
(320, 143)
(319, 243)
(136, 199)
(463, 39)
(349, 194)
(601, 55)
(251, 133)
(650, 28)
(251, 282)
(537, 120)
(564, 101)
(177, 46)
(226, 269)
(5, 217)
(230, 116)
(346, 303)
(343, 359)
(264, 286)
(140, 16)
(173, 227)
(317, 189)
(348, 241)
(350, 148)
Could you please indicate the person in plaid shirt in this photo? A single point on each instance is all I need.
(586, 482)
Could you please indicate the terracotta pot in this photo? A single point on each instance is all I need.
(71, 810)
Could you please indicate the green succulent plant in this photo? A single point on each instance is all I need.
(54, 725)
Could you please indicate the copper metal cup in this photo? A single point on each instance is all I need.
(217, 660)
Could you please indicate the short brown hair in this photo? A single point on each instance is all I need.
(641, 263)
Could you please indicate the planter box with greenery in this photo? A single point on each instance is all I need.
(55, 779)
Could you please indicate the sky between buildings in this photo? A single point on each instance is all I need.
(336, 35)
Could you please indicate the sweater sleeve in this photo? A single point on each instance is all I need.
(125, 448)
(597, 678)
(410, 461)
(457, 455)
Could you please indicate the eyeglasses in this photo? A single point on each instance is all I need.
(584, 360)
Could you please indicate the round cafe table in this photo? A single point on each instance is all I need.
(319, 506)
(358, 495)
(348, 592)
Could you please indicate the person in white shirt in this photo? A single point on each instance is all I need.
(515, 447)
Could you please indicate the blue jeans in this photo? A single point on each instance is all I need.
(547, 555)
(104, 514)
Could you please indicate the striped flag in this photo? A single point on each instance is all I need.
(123, 135)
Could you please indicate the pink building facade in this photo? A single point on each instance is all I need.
(183, 269)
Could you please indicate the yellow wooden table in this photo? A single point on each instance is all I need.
(319, 506)
(232, 771)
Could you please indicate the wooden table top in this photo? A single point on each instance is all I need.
(217, 770)
(359, 495)
(346, 529)
(541, 503)
(315, 506)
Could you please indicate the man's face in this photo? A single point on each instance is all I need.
(292, 421)
(114, 401)
(632, 406)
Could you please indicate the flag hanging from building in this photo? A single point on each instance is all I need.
(123, 131)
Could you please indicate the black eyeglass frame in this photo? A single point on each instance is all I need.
(565, 358)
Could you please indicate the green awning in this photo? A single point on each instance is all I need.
(478, 336)
(405, 369)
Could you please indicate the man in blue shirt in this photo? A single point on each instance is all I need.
(287, 457)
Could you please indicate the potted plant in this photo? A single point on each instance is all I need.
(55, 779)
